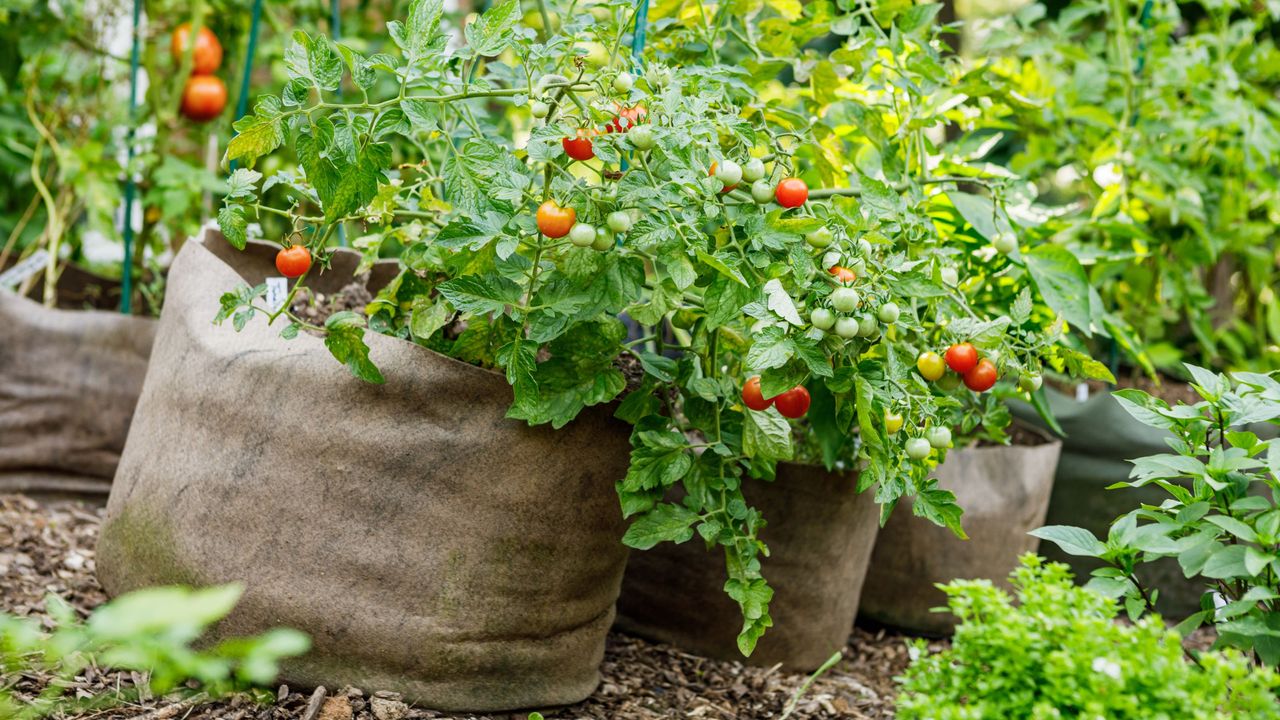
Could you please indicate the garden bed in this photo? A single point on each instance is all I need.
(50, 548)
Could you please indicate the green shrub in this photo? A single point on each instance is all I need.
(1059, 653)
(1220, 520)
(148, 631)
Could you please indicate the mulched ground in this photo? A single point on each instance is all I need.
(50, 549)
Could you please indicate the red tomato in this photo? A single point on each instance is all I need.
(628, 117)
(204, 97)
(962, 357)
(293, 261)
(752, 397)
(793, 403)
(791, 193)
(207, 55)
(555, 221)
(982, 377)
(843, 274)
(579, 148)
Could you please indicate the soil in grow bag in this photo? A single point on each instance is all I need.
(1004, 490)
(69, 380)
(428, 545)
(820, 533)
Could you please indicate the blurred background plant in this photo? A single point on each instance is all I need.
(150, 631)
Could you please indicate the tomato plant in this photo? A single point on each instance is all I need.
(752, 350)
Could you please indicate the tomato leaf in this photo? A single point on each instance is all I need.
(664, 523)
(344, 336)
(1062, 282)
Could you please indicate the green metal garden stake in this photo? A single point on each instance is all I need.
(126, 285)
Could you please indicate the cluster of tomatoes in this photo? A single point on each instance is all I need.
(790, 193)
(841, 317)
(979, 374)
(793, 403)
(556, 222)
(205, 95)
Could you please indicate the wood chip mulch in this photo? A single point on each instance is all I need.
(49, 548)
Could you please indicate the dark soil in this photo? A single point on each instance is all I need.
(50, 549)
(315, 308)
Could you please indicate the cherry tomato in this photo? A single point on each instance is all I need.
(618, 221)
(604, 239)
(753, 170)
(579, 147)
(982, 377)
(939, 437)
(627, 118)
(918, 448)
(822, 318)
(843, 274)
(949, 382)
(793, 403)
(847, 327)
(820, 238)
(641, 138)
(204, 97)
(962, 357)
(555, 221)
(761, 192)
(888, 313)
(752, 397)
(582, 234)
(867, 326)
(1005, 243)
(293, 261)
(830, 259)
(539, 109)
(623, 82)
(930, 366)
(791, 193)
(729, 171)
(844, 299)
(892, 422)
(207, 55)
(1030, 382)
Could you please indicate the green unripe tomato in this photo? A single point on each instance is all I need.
(619, 221)
(753, 170)
(657, 77)
(1005, 243)
(684, 318)
(867, 326)
(864, 247)
(892, 422)
(1030, 382)
(820, 238)
(600, 13)
(939, 437)
(847, 328)
(623, 82)
(950, 276)
(831, 259)
(641, 137)
(858, 266)
(582, 235)
(762, 192)
(822, 318)
(888, 313)
(844, 299)
(729, 173)
(603, 240)
(539, 109)
(918, 448)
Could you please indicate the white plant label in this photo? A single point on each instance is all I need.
(277, 291)
(1082, 392)
(14, 276)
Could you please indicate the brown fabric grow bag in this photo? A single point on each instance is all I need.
(1004, 491)
(820, 533)
(428, 545)
(69, 381)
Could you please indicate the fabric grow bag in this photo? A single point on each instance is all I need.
(820, 533)
(428, 545)
(1004, 491)
(69, 381)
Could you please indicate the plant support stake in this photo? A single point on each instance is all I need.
(126, 286)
